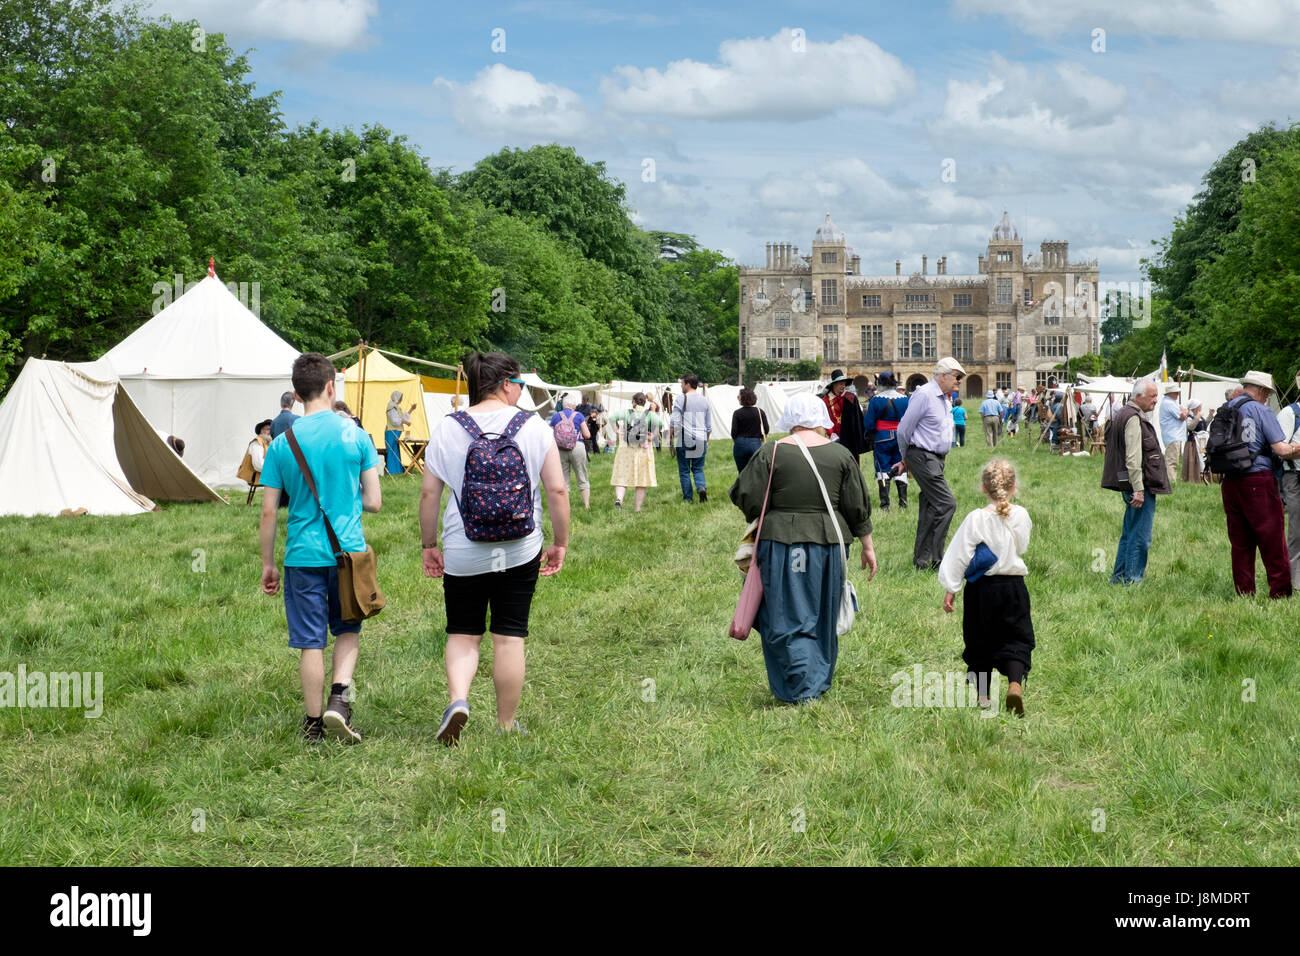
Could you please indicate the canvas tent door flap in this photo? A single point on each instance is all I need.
(71, 437)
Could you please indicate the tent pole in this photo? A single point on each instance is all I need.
(361, 400)
(455, 399)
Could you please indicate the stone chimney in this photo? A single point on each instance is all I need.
(981, 263)
(923, 258)
(898, 267)
(769, 256)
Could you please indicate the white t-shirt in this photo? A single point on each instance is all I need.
(1007, 537)
(448, 445)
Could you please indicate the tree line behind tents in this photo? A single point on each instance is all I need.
(1225, 282)
(125, 158)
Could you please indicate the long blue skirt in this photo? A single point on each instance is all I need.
(393, 453)
(796, 619)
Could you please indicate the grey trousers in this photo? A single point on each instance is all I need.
(936, 508)
(1291, 498)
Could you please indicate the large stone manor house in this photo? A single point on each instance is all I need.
(1009, 325)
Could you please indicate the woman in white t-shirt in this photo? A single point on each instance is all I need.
(499, 574)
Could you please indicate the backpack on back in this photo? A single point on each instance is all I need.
(638, 429)
(566, 436)
(496, 497)
(1227, 452)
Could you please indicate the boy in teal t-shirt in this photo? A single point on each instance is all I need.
(344, 466)
(958, 423)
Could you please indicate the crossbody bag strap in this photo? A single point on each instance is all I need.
(311, 484)
(826, 498)
(758, 534)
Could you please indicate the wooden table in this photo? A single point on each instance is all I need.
(415, 447)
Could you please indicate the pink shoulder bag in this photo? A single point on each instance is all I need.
(751, 592)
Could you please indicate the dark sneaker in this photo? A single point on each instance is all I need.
(704, 496)
(453, 721)
(338, 720)
(313, 731)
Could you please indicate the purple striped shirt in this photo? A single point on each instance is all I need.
(927, 423)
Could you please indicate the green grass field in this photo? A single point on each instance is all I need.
(1136, 718)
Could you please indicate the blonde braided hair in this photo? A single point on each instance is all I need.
(999, 480)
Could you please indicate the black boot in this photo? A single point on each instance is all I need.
(902, 494)
(884, 494)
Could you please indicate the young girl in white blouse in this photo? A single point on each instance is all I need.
(986, 553)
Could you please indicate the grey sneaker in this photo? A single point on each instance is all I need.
(515, 728)
(453, 721)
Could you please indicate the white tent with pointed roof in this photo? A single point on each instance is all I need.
(206, 370)
(70, 438)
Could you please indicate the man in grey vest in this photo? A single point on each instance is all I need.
(1135, 467)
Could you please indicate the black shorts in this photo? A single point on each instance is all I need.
(509, 592)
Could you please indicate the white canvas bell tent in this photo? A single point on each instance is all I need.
(206, 370)
(71, 437)
(772, 396)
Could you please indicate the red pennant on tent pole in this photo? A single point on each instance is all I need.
(212, 266)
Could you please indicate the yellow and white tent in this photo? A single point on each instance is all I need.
(382, 377)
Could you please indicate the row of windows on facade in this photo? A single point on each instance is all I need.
(916, 340)
(960, 300)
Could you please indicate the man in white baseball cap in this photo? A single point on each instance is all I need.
(1250, 497)
(925, 438)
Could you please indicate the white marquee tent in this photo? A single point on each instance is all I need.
(71, 437)
(206, 370)
(772, 396)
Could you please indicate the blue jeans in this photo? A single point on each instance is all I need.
(687, 467)
(1134, 540)
(743, 449)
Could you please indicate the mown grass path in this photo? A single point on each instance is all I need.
(654, 738)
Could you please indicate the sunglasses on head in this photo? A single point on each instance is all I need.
(517, 381)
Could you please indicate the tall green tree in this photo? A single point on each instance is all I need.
(140, 130)
(574, 200)
(553, 310)
(1202, 233)
(705, 307)
(1245, 298)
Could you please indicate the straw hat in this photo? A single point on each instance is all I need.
(1259, 379)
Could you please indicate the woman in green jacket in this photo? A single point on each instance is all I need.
(798, 552)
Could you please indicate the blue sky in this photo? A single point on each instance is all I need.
(761, 117)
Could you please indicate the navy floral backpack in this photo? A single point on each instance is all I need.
(496, 498)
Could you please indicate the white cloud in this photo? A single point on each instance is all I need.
(832, 185)
(332, 24)
(1072, 113)
(516, 105)
(582, 13)
(1271, 22)
(783, 77)
(1275, 98)
(1174, 197)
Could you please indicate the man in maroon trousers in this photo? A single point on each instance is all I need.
(1251, 501)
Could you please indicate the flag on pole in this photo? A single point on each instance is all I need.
(1164, 366)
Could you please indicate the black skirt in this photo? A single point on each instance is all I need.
(996, 624)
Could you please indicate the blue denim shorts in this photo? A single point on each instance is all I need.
(311, 604)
